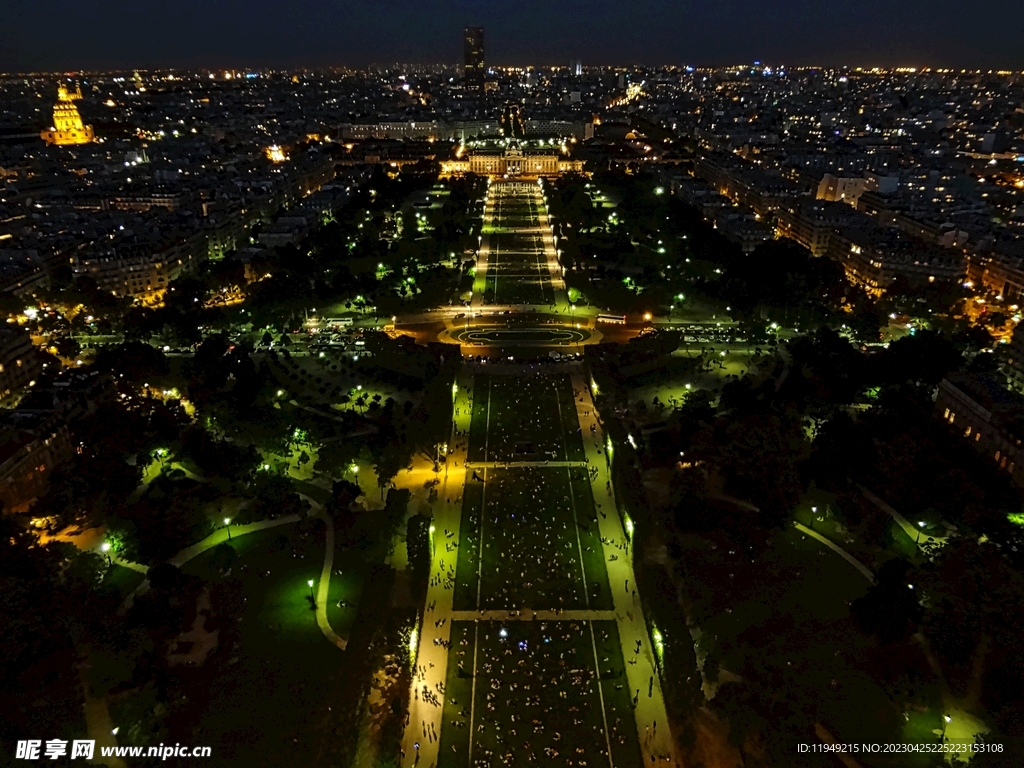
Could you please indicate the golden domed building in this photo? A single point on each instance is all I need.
(68, 129)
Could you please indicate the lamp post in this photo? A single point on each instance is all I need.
(312, 599)
(227, 524)
(105, 549)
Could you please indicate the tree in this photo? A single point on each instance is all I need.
(67, 347)
(925, 357)
(387, 464)
(759, 456)
(113, 666)
(136, 361)
(343, 508)
(973, 609)
(223, 557)
(219, 458)
(167, 519)
(275, 497)
(840, 450)
(417, 542)
(890, 609)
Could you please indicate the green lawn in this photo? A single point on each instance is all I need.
(530, 419)
(539, 525)
(272, 570)
(786, 618)
(122, 581)
(536, 696)
(517, 267)
(517, 270)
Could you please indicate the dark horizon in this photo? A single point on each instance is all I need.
(265, 34)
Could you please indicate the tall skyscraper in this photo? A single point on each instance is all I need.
(474, 50)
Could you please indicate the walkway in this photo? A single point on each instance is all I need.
(923, 540)
(628, 608)
(520, 464)
(864, 570)
(431, 656)
(217, 537)
(323, 588)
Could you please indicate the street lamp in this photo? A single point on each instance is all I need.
(312, 599)
(227, 524)
(105, 548)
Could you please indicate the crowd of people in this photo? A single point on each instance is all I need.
(539, 541)
(537, 694)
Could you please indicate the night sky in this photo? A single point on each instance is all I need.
(73, 34)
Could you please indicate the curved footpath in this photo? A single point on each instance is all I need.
(323, 588)
(863, 569)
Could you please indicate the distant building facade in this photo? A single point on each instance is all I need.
(988, 416)
(512, 162)
(31, 445)
(19, 361)
(874, 258)
(473, 41)
(68, 128)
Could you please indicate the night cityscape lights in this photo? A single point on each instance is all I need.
(522, 409)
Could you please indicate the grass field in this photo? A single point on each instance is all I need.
(524, 419)
(279, 599)
(517, 271)
(547, 692)
(121, 581)
(541, 549)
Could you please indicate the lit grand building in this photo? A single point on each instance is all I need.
(511, 162)
(67, 129)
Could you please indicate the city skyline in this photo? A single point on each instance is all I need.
(270, 34)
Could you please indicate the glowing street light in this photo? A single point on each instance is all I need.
(311, 598)
(659, 646)
(227, 524)
(414, 642)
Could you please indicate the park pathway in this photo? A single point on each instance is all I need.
(618, 549)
